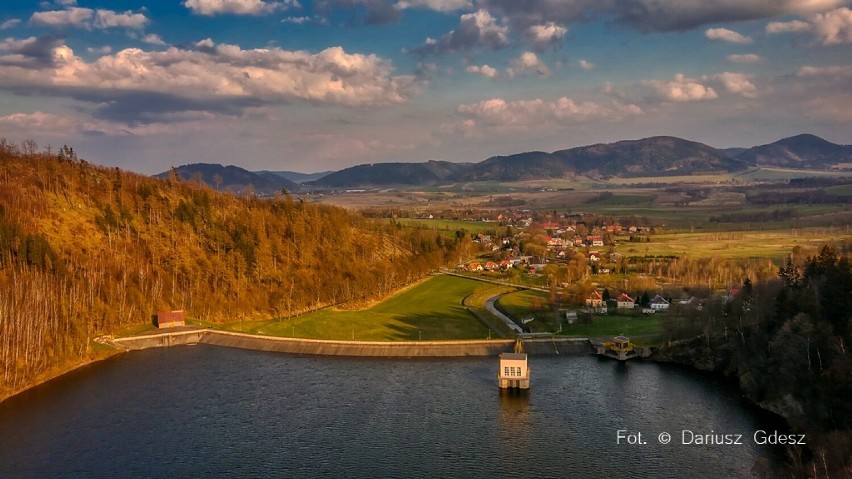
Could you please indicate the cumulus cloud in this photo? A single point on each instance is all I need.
(500, 114)
(725, 35)
(672, 15)
(371, 12)
(484, 70)
(237, 7)
(833, 71)
(153, 39)
(682, 89)
(738, 83)
(65, 124)
(74, 16)
(437, 5)
(109, 19)
(101, 50)
(830, 28)
(543, 36)
(527, 62)
(794, 26)
(744, 58)
(32, 52)
(475, 30)
(10, 24)
(586, 65)
(88, 18)
(207, 77)
(833, 27)
(652, 15)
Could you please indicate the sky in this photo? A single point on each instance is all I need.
(309, 86)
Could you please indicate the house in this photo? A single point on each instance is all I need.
(474, 267)
(658, 303)
(625, 302)
(594, 300)
(170, 319)
(514, 371)
(491, 266)
(595, 240)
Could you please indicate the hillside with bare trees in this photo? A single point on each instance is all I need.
(85, 250)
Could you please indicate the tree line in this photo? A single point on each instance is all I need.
(786, 341)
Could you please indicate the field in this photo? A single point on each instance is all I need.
(432, 310)
(771, 245)
(448, 228)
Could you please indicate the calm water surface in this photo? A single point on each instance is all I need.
(205, 411)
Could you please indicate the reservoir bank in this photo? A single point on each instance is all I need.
(484, 347)
(206, 411)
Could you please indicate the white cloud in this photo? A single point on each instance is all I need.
(833, 71)
(725, 35)
(527, 62)
(833, 27)
(153, 39)
(437, 5)
(237, 7)
(738, 83)
(100, 51)
(296, 20)
(586, 65)
(500, 114)
(10, 24)
(109, 19)
(216, 74)
(682, 89)
(88, 18)
(541, 36)
(51, 123)
(475, 30)
(75, 17)
(484, 70)
(744, 58)
(794, 26)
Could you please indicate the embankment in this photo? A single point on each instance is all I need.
(489, 347)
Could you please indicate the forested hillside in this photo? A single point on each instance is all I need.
(85, 250)
(787, 342)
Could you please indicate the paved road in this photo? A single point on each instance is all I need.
(489, 305)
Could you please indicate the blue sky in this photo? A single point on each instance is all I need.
(315, 85)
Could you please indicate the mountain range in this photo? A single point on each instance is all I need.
(647, 157)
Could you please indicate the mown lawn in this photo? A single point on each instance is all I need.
(644, 329)
(432, 310)
(641, 329)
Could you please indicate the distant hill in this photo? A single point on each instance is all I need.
(801, 151)
(387, 174)
(648, 157)
(655, 156)
(233, 177)
(297, 177)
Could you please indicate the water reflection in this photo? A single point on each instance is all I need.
(229, 413)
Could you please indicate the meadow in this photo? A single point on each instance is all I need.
(431, 310)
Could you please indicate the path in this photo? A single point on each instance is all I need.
(489, 305)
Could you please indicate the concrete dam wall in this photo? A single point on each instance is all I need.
(491, 347)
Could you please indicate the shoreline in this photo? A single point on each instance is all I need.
(316, 347)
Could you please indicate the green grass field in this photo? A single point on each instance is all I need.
(432, 310)
(641, 329)
(448, 228)
(772, 245)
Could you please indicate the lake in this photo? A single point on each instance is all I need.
(206, 411)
